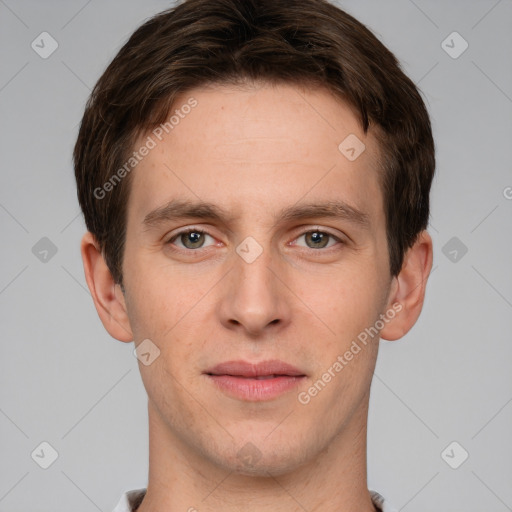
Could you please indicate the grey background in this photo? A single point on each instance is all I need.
(63, 380)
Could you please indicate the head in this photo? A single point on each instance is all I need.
(284, 137)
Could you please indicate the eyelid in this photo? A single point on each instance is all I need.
(308, 228)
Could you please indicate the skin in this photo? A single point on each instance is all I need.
(254, 150)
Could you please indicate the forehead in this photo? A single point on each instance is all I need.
(256, 149)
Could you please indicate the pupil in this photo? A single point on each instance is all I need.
(317, 238)
(192, 238)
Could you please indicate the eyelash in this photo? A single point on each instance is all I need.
(203, 232)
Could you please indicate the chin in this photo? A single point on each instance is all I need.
(268, 461)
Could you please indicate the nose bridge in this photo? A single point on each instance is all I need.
(253, 269)
(253, 266)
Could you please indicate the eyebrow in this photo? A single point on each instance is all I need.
(181, 209)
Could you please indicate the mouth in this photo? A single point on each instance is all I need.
(258, 377)
(245, 381)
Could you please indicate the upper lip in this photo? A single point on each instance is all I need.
(245, 369)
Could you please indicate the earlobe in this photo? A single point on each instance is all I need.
(106, 294)
(408, 288)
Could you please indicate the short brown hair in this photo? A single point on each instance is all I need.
(200, 42)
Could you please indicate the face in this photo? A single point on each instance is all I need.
(286, 262)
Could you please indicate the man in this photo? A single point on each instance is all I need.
(255, 181)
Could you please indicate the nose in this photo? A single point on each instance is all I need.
(254, 298)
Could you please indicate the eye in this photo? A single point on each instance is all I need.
(317, 239)
(193, 238)
(190, 239)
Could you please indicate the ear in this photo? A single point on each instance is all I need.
(106, 294)
(408, 288)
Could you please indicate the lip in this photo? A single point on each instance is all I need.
(254, 382)
(245, 369)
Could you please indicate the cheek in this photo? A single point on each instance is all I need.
(156, 301)
(146, 312)
(166, 311)
(346, 299)
(349, 304)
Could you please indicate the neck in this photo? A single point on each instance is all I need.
(181, 479)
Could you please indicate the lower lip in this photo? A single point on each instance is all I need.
(255, 390)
